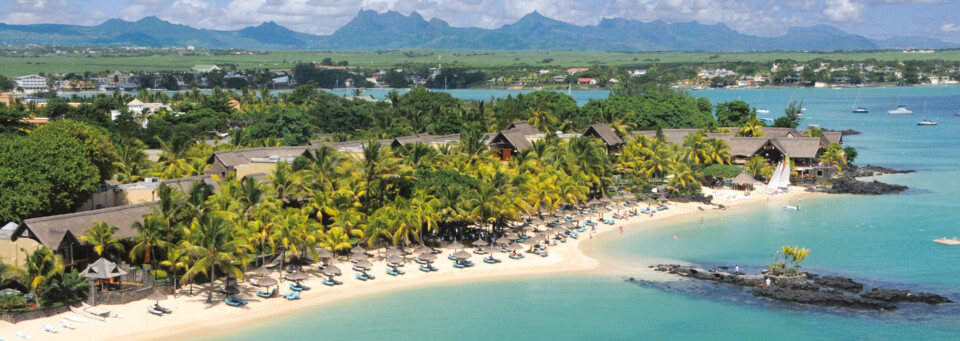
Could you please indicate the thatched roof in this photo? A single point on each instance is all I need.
(772, 132)
(672, 135)
(745, 146)
(833, 137)
(806, 147)
(744, 179)
(262, 177)
(524, 128)
(605, 133)
(186, 184)
(233, 158)
(355, 146)
(513, 138)
(52, 230)
(425, 139)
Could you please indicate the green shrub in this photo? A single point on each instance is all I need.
(11, 302)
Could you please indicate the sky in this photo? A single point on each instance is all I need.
(870, 18)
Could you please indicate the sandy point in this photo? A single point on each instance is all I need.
(194, 318)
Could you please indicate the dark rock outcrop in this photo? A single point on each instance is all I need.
(820, 298)
(849, 185)
(808, 289)
(841, 283)
(871, 170)
(896, 296)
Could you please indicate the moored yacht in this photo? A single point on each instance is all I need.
(900, 110)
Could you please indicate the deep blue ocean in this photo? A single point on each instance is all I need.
(879, 240)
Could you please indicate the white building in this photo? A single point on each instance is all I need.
(31, 83)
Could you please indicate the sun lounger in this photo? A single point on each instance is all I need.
(264, 295)
(151, 310)
(436, 252)
(23, 336)
(293, 295)
(294, 287)
(661, 208)
(234, 302)
(392, 272)
(361, 277)
(48, 328)
(458, 265)
(451, 257)
(328, 282)
(369, 276)
(67, 325)
(162, 309)
(425, 268)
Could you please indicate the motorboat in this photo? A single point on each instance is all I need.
(900, 110)
(860, 110)
(791, 208)
(763, 111)
(926, 122)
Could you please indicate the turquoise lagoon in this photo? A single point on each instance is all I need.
(880, 240)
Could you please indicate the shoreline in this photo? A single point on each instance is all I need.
(193, 318)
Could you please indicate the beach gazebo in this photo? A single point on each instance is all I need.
(99, 270)
(744, 181)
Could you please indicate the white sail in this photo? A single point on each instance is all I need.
(775, 179)
(785, 175)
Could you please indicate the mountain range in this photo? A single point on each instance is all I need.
(391, 30)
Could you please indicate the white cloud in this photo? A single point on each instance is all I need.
(949, 28)
(25, 12)
(842, 11)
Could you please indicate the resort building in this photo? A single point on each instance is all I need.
(427, 139)
(774, 146)
(242, 162)
(607, 135)
(139, 107)
(15, 252)
(60, 232)
(509, 142)
(31, 83)
(113, 194)
(118, 77)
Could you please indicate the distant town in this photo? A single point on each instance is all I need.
(541, 74)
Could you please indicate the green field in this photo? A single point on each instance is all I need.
(12, 66)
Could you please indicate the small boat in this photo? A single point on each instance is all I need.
(956, 113)
(900, 110)
(945, 241)
(858, 109)
(791, 208)
(926, 123)
(763, 111)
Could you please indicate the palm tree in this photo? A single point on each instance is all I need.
(177, 260)
(101, 236)
(42, 265)
(423, 211)
(211, 241)
(755, 166)
(284, 183)
(541, 115)
(132, 163)
(751, 128)
(150, 234)
(835, 155)
(169, 206)
(718, 151)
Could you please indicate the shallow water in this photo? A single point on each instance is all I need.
(880, 240)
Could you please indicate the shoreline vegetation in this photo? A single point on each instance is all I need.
(423, 168)
(193, 318)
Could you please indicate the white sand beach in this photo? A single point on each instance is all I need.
(193, 317)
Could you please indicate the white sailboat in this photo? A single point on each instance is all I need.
(856, 109)
(784, 183)
(774, 185)
(925, 121)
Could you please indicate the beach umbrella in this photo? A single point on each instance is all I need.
(480, 242)
(297, 276)
(358, 249)
(427, 257)
(462, 254)
(511, 236)
(394, 260)
(503, 241)
(423, 249)
(365, 264)
(522, 241)
(324, 254)
(332, 270)
(261, 271)
(356, 257)
(157, 296)
(515, 247)
(393, 252)
(455, 245)
(267, 282)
